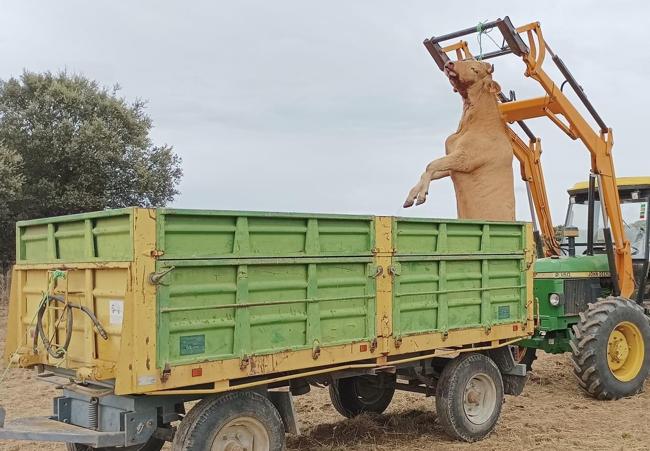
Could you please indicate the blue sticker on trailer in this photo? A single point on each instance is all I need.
(192, 344)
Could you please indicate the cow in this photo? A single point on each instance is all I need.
(479, 155)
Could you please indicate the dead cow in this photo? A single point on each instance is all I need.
(479, 154)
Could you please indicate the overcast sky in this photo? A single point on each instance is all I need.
(329, 106)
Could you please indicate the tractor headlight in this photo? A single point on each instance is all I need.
(554, 299)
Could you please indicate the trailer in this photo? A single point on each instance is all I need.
(135, 313)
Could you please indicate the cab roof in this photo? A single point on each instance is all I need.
(621, 182)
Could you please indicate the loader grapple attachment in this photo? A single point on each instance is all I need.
(512, 41)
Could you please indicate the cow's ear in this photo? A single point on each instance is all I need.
(494, 87)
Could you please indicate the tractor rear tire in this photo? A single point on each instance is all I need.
(353, 396)
(611, 348)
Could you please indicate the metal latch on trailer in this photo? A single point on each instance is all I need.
(156, 277)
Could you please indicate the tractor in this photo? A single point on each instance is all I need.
(568, 286)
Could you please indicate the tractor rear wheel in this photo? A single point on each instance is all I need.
(611, 348)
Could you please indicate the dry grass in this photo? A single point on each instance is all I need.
(368, 431)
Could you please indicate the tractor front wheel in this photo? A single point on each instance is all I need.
(611, 348)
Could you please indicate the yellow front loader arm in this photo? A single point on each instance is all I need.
(558, 108)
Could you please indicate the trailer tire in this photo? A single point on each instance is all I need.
(611, 348)
(245, 418)
(469, 397)
(355, 395)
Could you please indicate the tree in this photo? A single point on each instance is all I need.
(11, 183)
(68, 145)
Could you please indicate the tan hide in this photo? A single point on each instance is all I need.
(479, 154)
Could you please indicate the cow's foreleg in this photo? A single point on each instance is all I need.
(440, 175)
(435, 170)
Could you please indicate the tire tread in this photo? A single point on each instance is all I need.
(587, 340)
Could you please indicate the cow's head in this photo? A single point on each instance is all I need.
(467, 73)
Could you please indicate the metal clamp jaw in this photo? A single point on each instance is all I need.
(514, 42)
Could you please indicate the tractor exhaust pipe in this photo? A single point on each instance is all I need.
(646, 264)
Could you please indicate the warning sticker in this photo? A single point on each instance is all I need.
(116, 310)
(146, 380)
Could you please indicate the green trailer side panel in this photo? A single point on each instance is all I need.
(433, 294)
(258, 283)
(415, 236)
(228, 308)
(87, 237)
(457, 274)
(223, 234)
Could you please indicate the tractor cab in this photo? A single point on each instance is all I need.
(634, 194)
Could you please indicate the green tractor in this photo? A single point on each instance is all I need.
(577, 310)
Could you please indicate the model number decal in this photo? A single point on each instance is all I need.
(599, 274)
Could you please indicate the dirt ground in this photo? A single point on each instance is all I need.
(551, 414)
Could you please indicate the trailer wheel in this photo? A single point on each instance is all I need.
(153, 444)
(469, 396)
(611, 348)
(355, 395)
(524, 355)
(238, 420)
